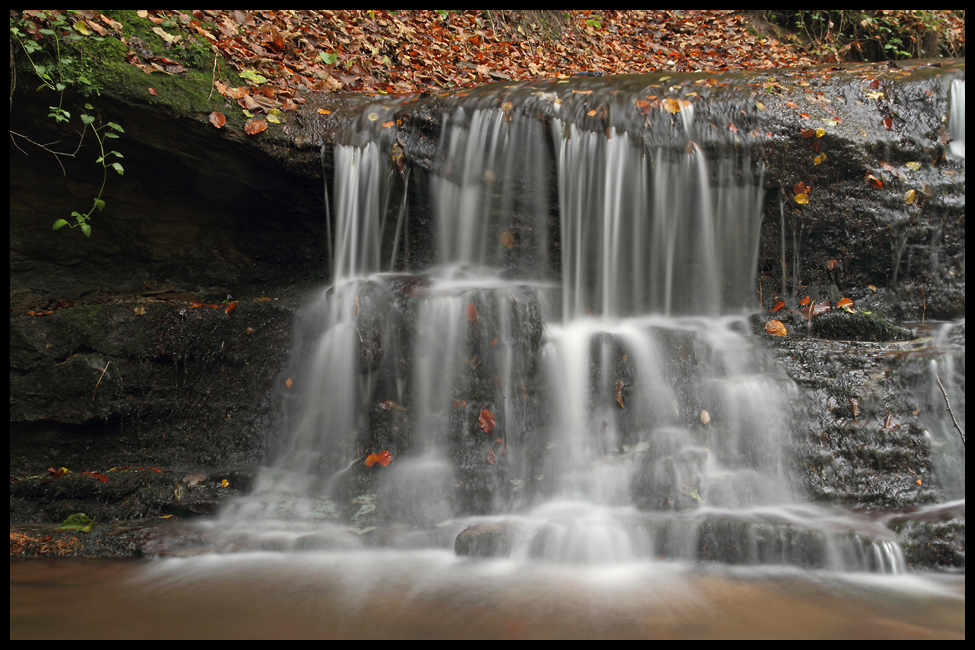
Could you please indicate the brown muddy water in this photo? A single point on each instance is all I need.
(433, 594)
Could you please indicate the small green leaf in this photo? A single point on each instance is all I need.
(694, 495)
(118, 168)
(87, 119)
(113, 125)
(79, 521)
(252, 75)
(60, 223)
(85, 228)
(328, 58)
(99, 205)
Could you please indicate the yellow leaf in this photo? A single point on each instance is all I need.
(775, 328)
(817, 160)
(81, 28)
(760, 106)
(913, 166)
(910, 197)
(324, 112)
(272, 118)
(671, 105)
(820, 132)
(225, 483)
(802, 199)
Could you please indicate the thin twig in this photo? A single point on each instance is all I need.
(950, 412)
(213, 80)
(100, 379)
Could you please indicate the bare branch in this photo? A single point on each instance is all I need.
(950, 412)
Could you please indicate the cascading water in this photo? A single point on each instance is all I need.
(619, 415)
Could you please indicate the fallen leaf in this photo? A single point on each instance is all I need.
(490, 457)
(217, 119)
(152, 91)
(844, 302)
(779, 305)
(671, 105)
(705, 417)
(804, 301)
(854, 407)
(383, 458)
(507, 238)
(225, 483)
(471, 312)
(388, 404)
(487, 421)
(287, 382)
(231, 306)
(910, 197)
(873, 181)
(618, 391)
(802, 199)
(255, 125)
(324, 111)
(775, 328)
(831, 264)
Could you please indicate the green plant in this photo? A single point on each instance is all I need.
(50, 40)
(102, 133)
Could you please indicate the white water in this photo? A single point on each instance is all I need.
(633, 417)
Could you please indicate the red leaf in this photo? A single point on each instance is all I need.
(804, 301)
(101, 477)
(471, 312)
(779, 305)
(152, 91)
(383, 458)
(831, 264)
(487, 421)
(217, 119)
(231, 306)
(888, 122)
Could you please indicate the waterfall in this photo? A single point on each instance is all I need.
(575, 366)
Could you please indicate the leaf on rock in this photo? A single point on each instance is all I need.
(490, 457)
(78, 521)
(507, 238)
(255, 125)
(217, 119)
(705, 417)
(383, 458)
(671, 105)
(779, 305)
(487, 421)
(618, 392)
(802, 199)
(775, 328)
(471, 312)
(873, 181)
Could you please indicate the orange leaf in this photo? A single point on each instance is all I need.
(231, 306)
(619, 392)
(324, 112)
(844, 302)
(831, 264)
(873, 181)
(152, 91)
(255, 125)
(287, 382)
(383, 458)
(732, 127)
(507, 238)
(671, 105)
(779, 305)
(217, 119)
(804, 301)
(487, 421)
(775, 328)
(471, 312)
